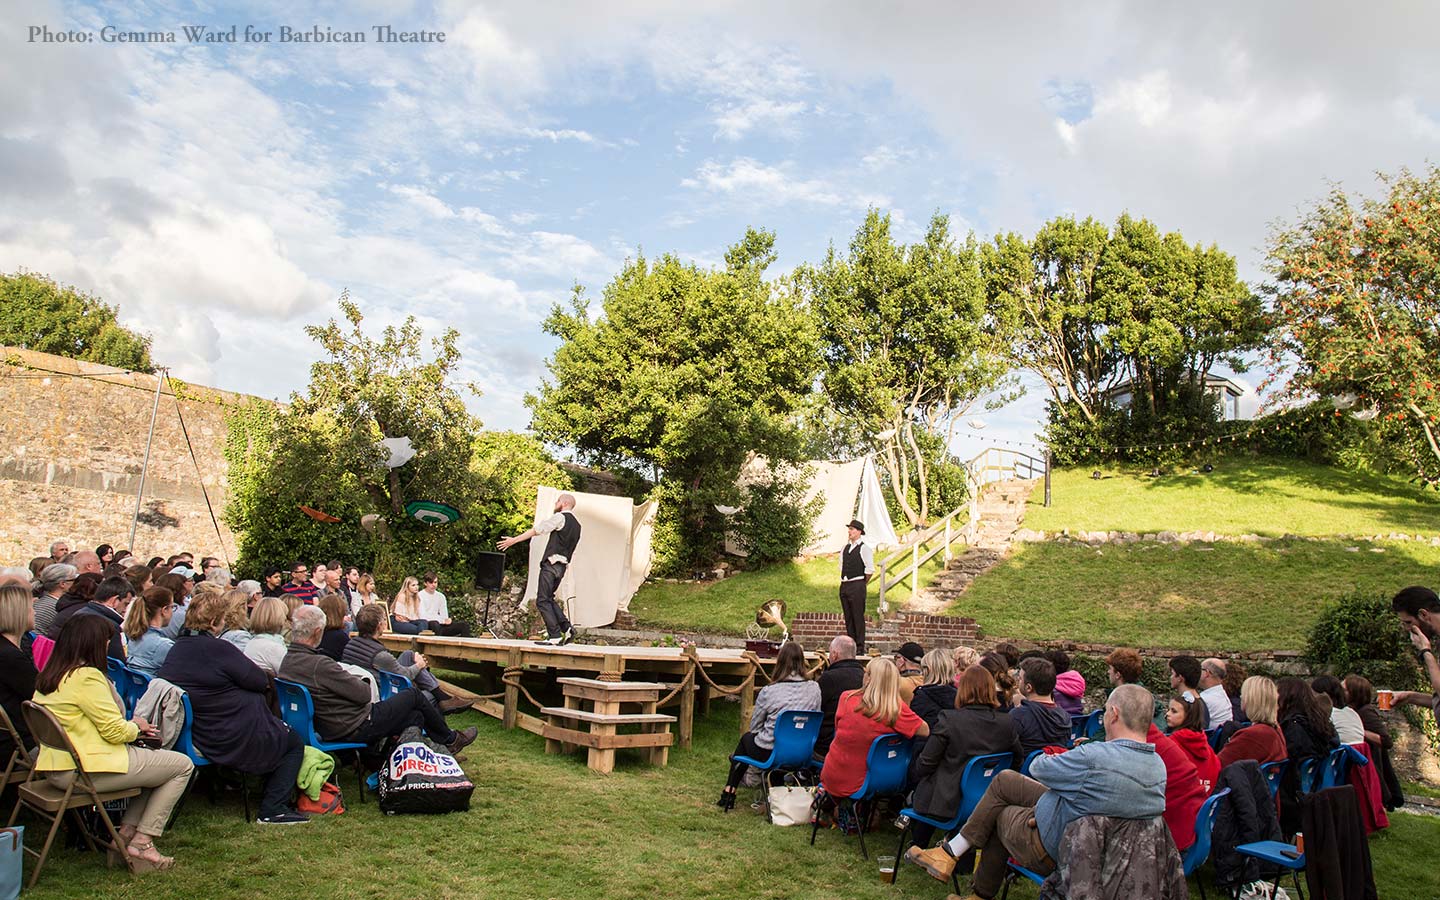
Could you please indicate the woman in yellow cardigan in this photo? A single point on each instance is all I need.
(74, 688)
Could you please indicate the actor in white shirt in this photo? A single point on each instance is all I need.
(435, 611)
(563, 529)
(857, 565)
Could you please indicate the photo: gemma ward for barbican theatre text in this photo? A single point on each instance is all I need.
(233, 34)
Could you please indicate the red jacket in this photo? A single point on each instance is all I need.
(1262, 743)
(1183, 792)
(1197, 746)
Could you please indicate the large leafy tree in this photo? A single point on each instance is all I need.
(38, 314)
(683, 374)
(323, 450)
(1356, 300)
(906, 345)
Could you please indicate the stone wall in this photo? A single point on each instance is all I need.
(72, 445)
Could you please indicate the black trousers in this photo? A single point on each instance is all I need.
(454, 629)
(280, 783)
(554, 615)
(852, 604)
(390, 717)
(746, 747)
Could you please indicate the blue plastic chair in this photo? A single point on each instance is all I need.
(1086, 726)
(1212, 735)
(391, 683)
(1030, 758)
(115, 669)
(1018, 871)
(974, 781)
(136, 683)
(1335, 772)
(795, 734)
(1274, 773)
(887, 765)
(1195, 855)
(1308, 772)
(1277, 853)
(185, 743)
(297, 708)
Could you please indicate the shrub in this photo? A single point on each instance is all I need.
(775, 523)
(1359, 634)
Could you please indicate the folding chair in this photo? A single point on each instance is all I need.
(1335, 771)
(886, 767)
(51, 802)
(297, 708)
(136, 684)
(1195, 855)
(17, 768)
(974, 781)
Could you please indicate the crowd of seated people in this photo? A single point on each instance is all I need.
(196, 629)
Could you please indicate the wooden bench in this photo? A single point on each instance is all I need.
(605, 717)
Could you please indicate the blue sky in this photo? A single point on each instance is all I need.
(222, 196)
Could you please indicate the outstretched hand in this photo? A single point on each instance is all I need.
(507, 543)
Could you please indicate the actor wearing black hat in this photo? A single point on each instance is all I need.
(857, 565)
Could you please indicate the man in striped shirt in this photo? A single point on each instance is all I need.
(300, 586)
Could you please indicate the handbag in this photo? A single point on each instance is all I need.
(789, 803)
(12, 861)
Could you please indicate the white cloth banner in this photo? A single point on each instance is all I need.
(603, 573)
(879, 530)
(837, 483)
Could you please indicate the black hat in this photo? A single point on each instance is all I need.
(857, 525)
(911, 651)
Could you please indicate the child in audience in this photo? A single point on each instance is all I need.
(1182, 719)
(1069, 684)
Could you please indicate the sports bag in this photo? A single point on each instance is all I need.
(421, 777)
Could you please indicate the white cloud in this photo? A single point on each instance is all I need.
(736, 120)
(749, 180)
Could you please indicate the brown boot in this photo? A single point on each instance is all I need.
(937, 861)
(454, 705)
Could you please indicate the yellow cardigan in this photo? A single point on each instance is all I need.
(91, 713)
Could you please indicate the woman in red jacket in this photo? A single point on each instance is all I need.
(861, 717)
(1262, 740)
(1183, 721)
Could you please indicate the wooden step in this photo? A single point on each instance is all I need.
(606, 741)
(582, 715)
(616, 685)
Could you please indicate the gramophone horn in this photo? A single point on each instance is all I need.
(771, 614)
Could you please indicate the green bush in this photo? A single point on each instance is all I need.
(775, 523)
(1359, 634)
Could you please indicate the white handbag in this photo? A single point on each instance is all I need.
(789, 803)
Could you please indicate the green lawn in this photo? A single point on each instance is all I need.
(1227, 597)
(728, 605)
(545, 827)
(1267, 497)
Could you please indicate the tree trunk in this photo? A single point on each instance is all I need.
(899, 481)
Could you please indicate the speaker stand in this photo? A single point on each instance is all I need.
(485, 617)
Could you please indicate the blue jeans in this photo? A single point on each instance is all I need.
(399, 627)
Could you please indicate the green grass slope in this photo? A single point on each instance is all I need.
(1242, 496)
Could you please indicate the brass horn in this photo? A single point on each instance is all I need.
(771, 614)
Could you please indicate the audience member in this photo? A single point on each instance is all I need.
(233, 725)
(1261, 740)
(1212, 692)
(1185, 790)
(141, 578)
(181, 590)
(435, 611)
(59, 550)
(351, 584)
(235, 623)
(17, 672)
(964, 658)
(343, 711)
(1039, 722)
(337, 630)
(86, 563)
(1185, 681)
(252, 591)
(1309, 734)
(405, 608)
(999, 669)
(75, 689)
(861, 717)
(81, 592)
(335, 581)
(111, 598)
(37, 565)
(55, 581)
(364, 593)
(974, 727)
(1010, 653)
(789, 688)
(1235, 675)
(105, 553)
(1419, 612)
(273, 582)
(366, 651)
(1349, 729)
(937, 690)
(1069, 684)
(1024, 818)
(844, 673)
(907, 658)
(144, 629)
(1361, 697)
(300, 586)
(318, 578)
(1182, 721)
(1125, 666)
(269, 621)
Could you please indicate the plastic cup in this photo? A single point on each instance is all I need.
(1384, 699)
(887, 869)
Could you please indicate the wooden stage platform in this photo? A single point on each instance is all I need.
(502, 662)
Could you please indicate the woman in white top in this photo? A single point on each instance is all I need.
(1348, 726)
(363, 593)
(406, 608)
(269, 621)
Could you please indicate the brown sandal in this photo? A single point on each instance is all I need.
(140, 862)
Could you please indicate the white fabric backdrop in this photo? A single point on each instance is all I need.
(603, 574)
(879, 530)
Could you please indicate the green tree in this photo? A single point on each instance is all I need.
(906, 345)
(1356, 301)
(684, 374)
(38, 314)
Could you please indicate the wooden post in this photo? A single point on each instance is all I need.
(915, 569)
(947, 540)
(747, 693)
(1047, 476)
(685, 729)
(512, 692)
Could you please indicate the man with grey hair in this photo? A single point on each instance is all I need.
(55, 580)
(343, 711)
(564, 531)
(844, 673)
(1212, 691)
(1024, 818)
(59, 549)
